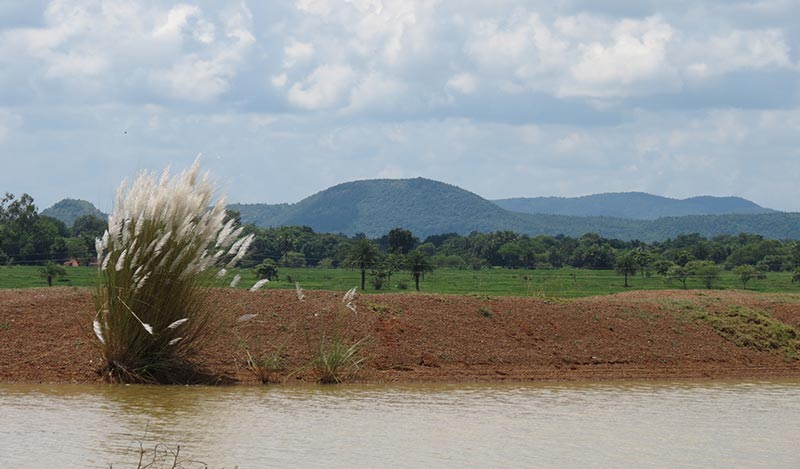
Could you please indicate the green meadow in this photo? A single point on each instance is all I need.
(567, 283)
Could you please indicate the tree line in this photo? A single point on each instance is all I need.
(27, 237)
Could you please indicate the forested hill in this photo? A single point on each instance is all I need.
(68, 210)
(427, 207)
(376, 206)
(632, 205)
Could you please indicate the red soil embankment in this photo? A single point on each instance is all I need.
(46, 336)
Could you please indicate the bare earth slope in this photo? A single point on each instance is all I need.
(45, 336)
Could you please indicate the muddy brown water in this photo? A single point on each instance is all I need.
(669, 424)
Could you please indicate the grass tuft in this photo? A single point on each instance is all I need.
(155, 261)
(756, 330)
(336, 357)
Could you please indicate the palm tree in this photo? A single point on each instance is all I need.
(417, 263)
(626, 265)
(363, 254)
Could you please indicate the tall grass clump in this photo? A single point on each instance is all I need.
(336, 354)
(166, 238)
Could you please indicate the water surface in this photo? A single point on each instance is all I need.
(718, 424)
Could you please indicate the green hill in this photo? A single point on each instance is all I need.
(68, 210)
(427, 207)
(633, 205)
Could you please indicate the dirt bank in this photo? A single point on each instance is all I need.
(45, 336)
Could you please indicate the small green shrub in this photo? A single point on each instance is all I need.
(485, 312)
(336, 357)
(4, 326)
(265, 367)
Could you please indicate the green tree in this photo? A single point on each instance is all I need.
(267, 269)
(679, 272)
(706, 271)
(391, 264)
(662, 266)
(293, 259)
(643, 259)
(401, 241)
(90, 226)
(417, 262)
(50, 271)
(362, 255)
(745, 273)
(626, 265)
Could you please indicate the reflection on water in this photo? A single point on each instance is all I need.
(598, 425)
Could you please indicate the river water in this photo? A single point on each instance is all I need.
(706, 424)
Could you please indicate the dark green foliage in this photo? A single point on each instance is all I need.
(268, 269)
(401, 241)
(69, 210)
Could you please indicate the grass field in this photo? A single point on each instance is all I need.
(499, 282)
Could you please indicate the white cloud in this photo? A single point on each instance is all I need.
(279, 81)
(323, 88)
(740, 49)
(636, 52)
(295, 52)
(204, 77)
(464, 83)
(378, 92)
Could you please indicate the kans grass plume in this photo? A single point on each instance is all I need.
(165, 235)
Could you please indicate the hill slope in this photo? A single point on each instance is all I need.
(633, 205)
(376, 206)
(426, 207)
(68, 210)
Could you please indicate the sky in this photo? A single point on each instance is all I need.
(504, 98)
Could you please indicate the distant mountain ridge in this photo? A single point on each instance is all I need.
(632, 205)
(427, 207)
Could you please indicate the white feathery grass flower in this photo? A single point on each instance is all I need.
(348, 298)
(98, 246)
(98, 330)
(349, 295)
(259, 284)
(177, 323)
(248, 240)
(141, 281)
(246, 317)
(121, 261)
(235, 280)
(299, 290)
(175, 341)
(169, 229)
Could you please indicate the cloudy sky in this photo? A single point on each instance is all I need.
(501, 97)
